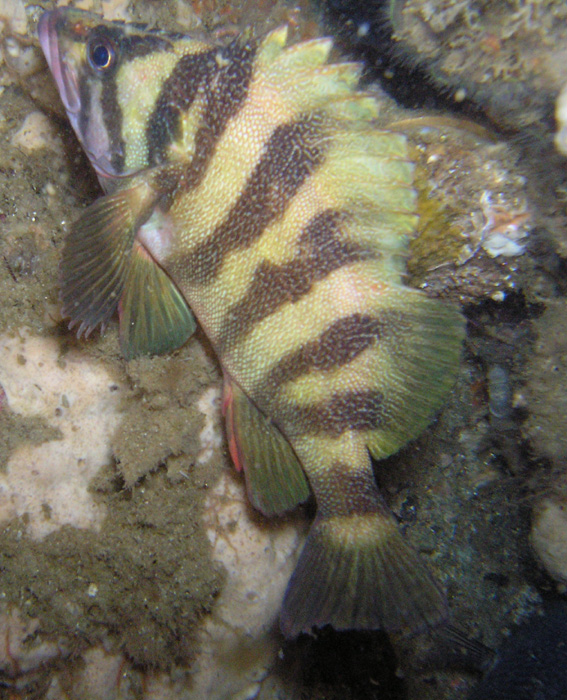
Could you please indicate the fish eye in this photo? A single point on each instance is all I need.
(101, 54)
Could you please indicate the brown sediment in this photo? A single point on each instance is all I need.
(149, 566)
(161, 417)
(143, 582)
(17, 430)
(491, 52)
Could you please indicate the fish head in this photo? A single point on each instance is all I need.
(83, 56)
(108, 75)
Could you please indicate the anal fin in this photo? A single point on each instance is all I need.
(154, 316)
(275, 479)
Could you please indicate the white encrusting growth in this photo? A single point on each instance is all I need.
(210, 436)
(258, 557)
(506, 226)
(561, 120)
(549, 536)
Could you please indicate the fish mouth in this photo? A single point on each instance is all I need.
(66, 80)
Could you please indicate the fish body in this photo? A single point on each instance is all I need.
(247, 186)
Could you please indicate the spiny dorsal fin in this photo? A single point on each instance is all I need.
(306, 54)
(313, 88)
(302, 76)
(154, 316)
(271, 47)
(356, 107)
(275, 480)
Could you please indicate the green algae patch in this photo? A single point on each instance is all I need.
(438, 241)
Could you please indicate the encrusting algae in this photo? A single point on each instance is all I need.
(247, 187)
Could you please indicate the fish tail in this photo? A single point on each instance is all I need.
(357, 572)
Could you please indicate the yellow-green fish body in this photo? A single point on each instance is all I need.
(247, 185)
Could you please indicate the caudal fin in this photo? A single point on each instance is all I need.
(357, 572)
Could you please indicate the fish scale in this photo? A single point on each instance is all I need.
(248, 186)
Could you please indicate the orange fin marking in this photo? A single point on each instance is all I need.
(227, 411)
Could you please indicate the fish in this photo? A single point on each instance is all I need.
(248, 188)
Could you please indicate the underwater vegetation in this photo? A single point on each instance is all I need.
(132, 564)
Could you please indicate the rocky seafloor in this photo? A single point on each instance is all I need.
(131, 565)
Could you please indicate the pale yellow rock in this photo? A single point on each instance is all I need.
(240, 639)
(211, 436)
(13, 17)
(116, 9)
(20, 651)
(110, 9)
(35, 133)
(49, 482)
(100, 677)
(561, 121)
(549, 536)
(22, 60)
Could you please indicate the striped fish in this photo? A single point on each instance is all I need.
(247, 186)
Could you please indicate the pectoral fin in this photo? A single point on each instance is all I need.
(96, 255)
(275, 480)
(154, 316)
